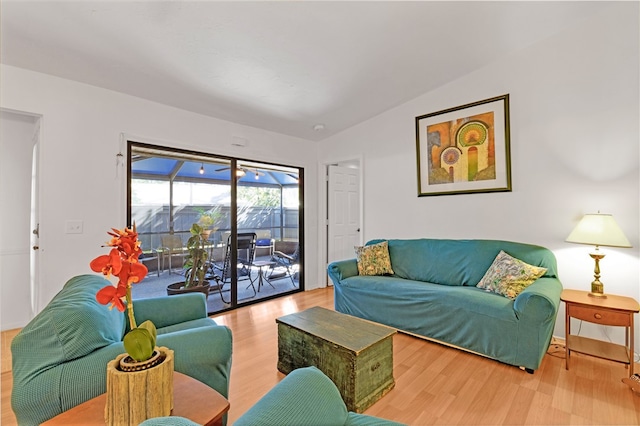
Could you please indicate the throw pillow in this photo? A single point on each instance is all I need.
(508, 276)
(374, 259)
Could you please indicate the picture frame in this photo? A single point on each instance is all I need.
(465, 149)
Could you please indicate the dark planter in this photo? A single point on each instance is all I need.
(128, 364)
(178, 288)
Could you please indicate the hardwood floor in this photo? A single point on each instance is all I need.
(435, 384)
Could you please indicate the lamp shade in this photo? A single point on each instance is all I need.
(599, 230)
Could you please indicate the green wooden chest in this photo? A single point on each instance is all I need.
(356, 354)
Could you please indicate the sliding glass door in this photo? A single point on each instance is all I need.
(250, 213)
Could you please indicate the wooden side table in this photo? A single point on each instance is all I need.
(191, 399)
(613, 311)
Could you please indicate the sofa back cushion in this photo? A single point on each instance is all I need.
(305, 397)
(459, 262)
(71, 326)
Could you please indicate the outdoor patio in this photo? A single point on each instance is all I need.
(156, 286)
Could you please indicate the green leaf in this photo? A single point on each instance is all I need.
(151, 327)
(195, 229)
(139, 344)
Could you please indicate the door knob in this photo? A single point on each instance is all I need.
(36, 247)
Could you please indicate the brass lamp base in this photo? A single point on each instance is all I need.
(597, 288)
(597, 295)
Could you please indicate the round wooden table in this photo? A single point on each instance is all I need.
(192, 399)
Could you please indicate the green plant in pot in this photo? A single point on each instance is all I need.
(207, 220)
(195, 264)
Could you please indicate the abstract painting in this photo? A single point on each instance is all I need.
(464, 149)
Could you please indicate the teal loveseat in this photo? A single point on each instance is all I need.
(306, 397)
(60, 357)
(433, 294)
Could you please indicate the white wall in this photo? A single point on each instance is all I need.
(574, 150)
(81, 135)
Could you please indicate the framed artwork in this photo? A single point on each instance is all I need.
(464, 149)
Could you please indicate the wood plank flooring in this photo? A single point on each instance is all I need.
(435, 384)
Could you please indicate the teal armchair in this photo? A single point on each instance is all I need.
(306, 397)
(60, 357)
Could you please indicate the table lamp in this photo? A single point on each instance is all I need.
(599, 230)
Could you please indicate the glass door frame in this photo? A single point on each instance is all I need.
(233, 182)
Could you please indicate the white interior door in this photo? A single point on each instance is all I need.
(343, 207)
(35, 219)
(19, 139)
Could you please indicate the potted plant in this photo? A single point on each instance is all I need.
(144, 365)
(207, 221)
(195, 265)
(122, 262)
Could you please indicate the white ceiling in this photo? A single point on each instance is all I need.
(280, 66)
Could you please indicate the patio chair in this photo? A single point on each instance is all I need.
(153, 258)
(171, 246)
(265, 242)
(246, 254)
(285, 265)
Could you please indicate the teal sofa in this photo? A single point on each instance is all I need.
(305, 397)
(60, 357)
(433, 294)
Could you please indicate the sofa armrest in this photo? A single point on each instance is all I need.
(342, 269)
(203, 353)
(38, 397)
(539, 301)
(166, 311)
(303, 398)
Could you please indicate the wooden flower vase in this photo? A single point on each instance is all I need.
(134, 396)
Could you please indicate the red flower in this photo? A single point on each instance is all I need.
(122, 262)
(132, 273)
(126, 241)
(108, 263)
(112, 295)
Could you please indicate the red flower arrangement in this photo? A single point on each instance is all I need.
(122, 262)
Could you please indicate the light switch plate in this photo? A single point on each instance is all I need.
(73, 227)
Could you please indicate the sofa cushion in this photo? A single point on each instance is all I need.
(187, 325)
(400, 298)
(374, 259)
(459, 262)
(71, 326)
(508, 276)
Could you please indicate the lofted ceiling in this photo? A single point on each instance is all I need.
(283, 66)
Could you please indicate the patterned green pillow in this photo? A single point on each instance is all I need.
(374, 259)
(508, 276)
